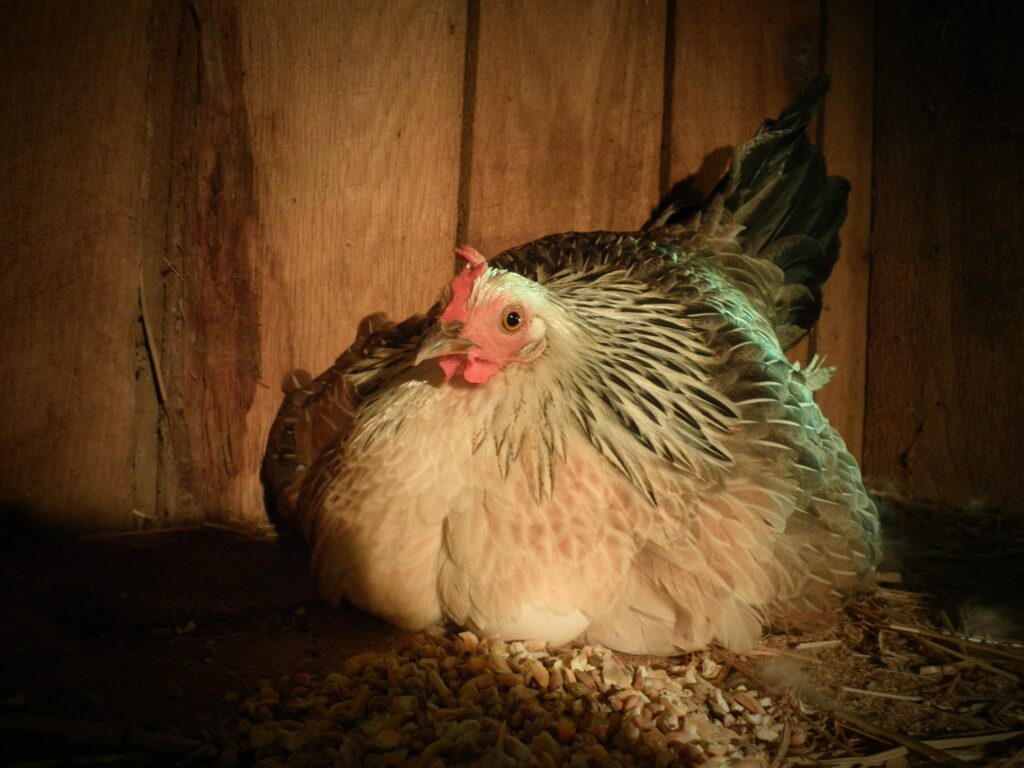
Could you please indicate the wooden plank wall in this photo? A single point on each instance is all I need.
(846, 136)
(72, 159)
(717, 101)
(322, 146)
(317, 162)
(567, 118)
(944, 409)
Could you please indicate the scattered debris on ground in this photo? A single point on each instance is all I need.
(884, 688)
(442, 702)
(208, 648)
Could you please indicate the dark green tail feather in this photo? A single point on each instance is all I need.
(779, 191)
(789, 208)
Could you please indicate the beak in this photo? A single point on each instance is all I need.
(442, 341)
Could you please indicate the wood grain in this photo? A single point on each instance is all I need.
(567, 120)
(340, 125)
(737, 63)
(275, 172)
(841, 332)
(944, 415)
(211, 353)
(72, 151)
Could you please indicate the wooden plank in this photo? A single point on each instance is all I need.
(737, 63)
(72, 160)
(944, 415)
(325, 189)
(841, 332)
(163, 33)
(567, 120)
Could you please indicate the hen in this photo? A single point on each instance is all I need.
(597, 434)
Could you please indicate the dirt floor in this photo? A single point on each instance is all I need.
(159, 631)
(125, 650)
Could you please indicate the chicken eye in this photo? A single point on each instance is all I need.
(512, 319)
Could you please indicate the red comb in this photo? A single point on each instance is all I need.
(471, 256)
(462, 283)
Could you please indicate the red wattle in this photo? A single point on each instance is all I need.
(450, 364)
(479, 371)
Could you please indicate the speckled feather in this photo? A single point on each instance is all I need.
(658, 479)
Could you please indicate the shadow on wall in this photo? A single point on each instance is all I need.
(690, 193)
(971, 563)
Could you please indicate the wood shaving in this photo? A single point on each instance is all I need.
(459, 700)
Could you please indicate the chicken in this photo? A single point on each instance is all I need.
(597, 435)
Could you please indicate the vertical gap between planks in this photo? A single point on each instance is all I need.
(871, 237)
(162, 41)
(668, 85)
(469, 71)
(819, 131)
(822, 67)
